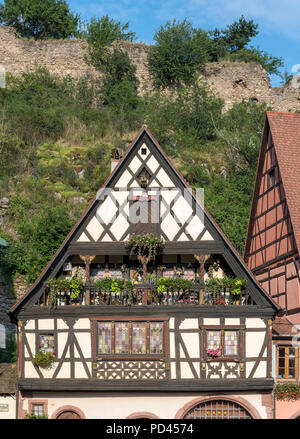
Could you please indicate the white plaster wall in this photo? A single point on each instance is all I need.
(11, 402)
(30, 324)
(119, 406)
(254, 343)
(46, 324)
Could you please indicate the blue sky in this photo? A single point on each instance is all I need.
(278, 20)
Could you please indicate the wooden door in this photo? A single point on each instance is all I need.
(68, 415)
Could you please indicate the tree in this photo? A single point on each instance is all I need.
(100, 33)
(120, 85)
(39, 19)
(235, 36)
(179, 53)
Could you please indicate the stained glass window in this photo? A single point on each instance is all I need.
(47, 343)
(139, 338)
(156, 337)
(231, 340)
(105, 337)
(121, 337)
(213, 340)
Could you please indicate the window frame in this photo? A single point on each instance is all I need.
(97, 356)
(240, 357)
(41, 402)
(286, 365)
(38, 339)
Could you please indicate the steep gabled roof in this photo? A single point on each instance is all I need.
(8, 378)
(285, 131)
(217, 231)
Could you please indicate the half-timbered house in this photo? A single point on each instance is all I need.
(273, 240)
(158, 336)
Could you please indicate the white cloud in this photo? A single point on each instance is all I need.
(273, 16)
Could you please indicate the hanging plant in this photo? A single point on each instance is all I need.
(146, 246)
(287, 391)
(44, 359)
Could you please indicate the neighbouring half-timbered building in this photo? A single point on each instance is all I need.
(273, 241)
(146, 310)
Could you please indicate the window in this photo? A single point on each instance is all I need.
(271, 178)
(287, 362)
(46, 343)
(134, 338)
(223, 343)
(38, 409)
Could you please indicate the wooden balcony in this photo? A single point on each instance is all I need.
(147, 295)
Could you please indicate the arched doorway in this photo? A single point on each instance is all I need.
(217, 409)
(68, 415)
(68, 412)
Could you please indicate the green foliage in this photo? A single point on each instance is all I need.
(145, 246)
(44, 359)
(100, 33)
(271, 64)
(40, 235)
(54, 167)
(114, 285)
(234, 284)
(178, 55)
(33, 416)
(9, 354)
(235, 37)
(39, 19)
(24, 109)
(119, 89)
(184, 120)
(172, 284)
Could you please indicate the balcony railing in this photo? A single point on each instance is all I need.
(147, 294)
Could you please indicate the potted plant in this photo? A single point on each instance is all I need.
(33, 416)
(236, 289)
(76, 287)
(44, 359)
(145, 247)
(212, 289)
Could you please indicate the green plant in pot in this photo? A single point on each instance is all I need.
(236, 289)
(44, 359)
(145, 247)
(76, 288)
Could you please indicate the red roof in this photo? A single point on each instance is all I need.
(285, 129)
(282, 326)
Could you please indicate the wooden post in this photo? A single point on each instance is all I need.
(87, 259)
(144, 261)
(201, 260)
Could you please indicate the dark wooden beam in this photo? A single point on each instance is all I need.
(184, 385)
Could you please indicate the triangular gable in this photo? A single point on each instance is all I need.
(91, 232)
(111, 218)
(270, 234)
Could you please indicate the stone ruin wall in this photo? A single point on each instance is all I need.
(232, 82)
